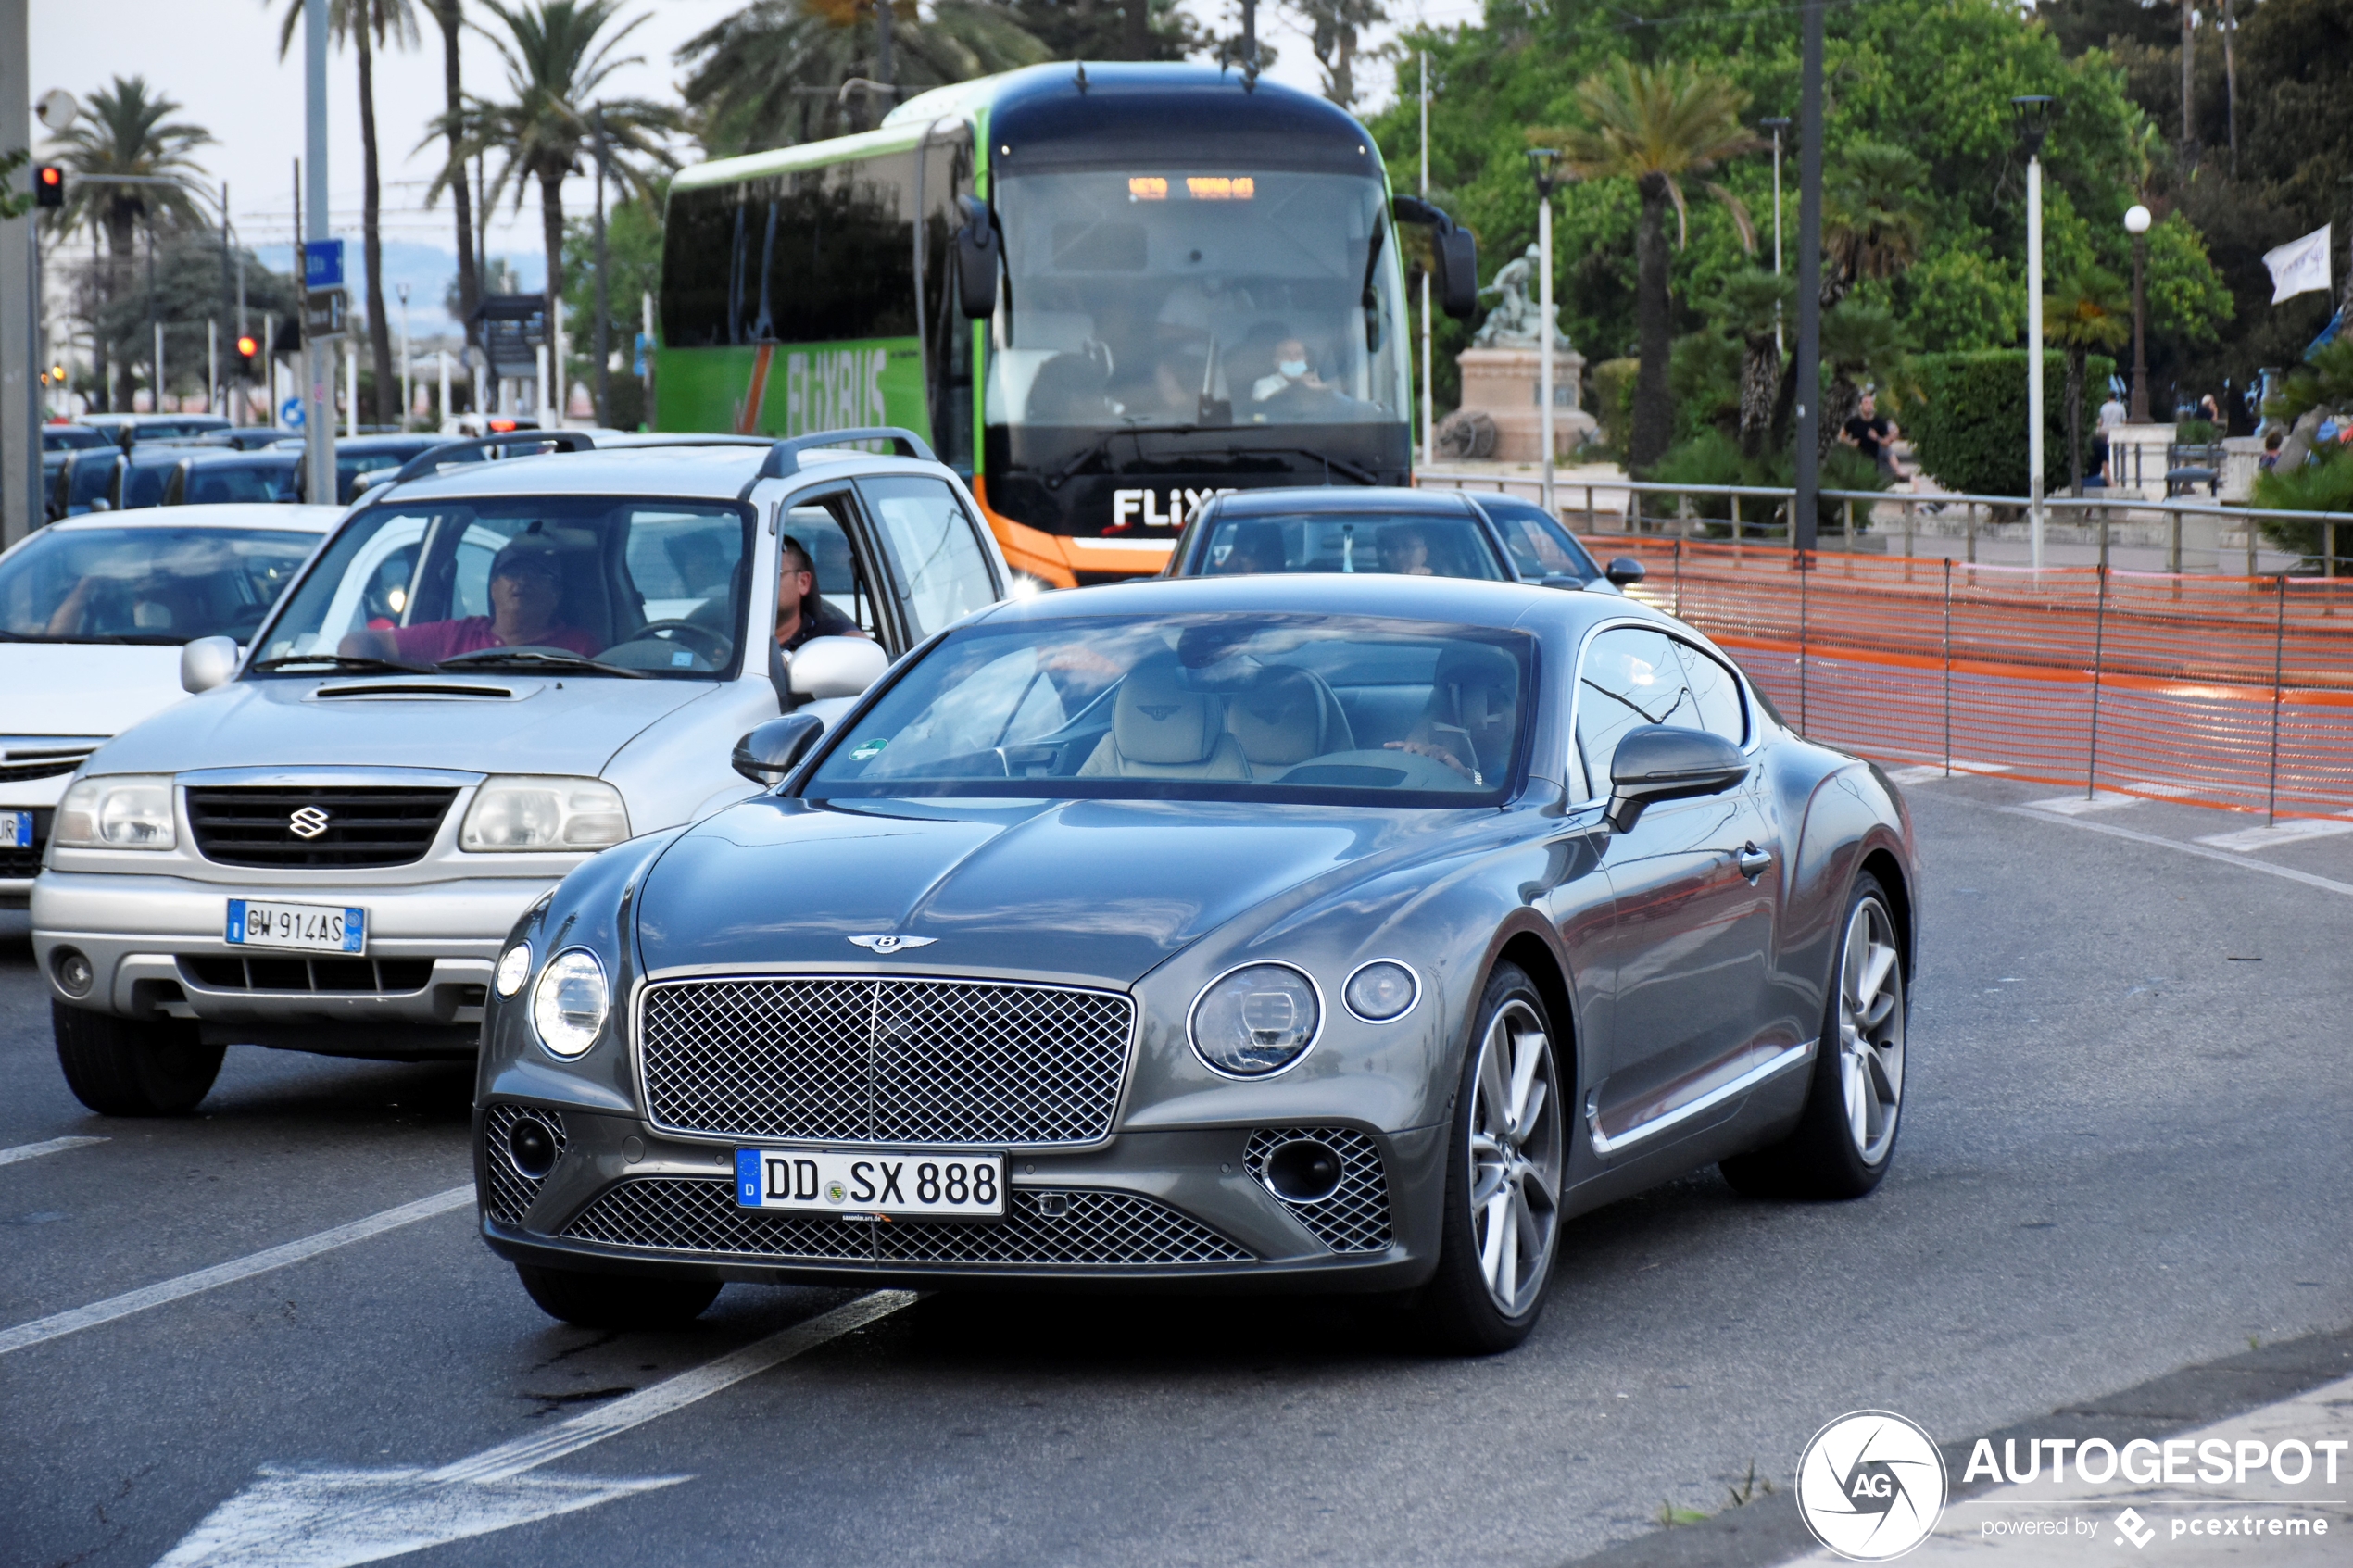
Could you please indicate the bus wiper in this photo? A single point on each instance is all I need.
(1101, 446)
(491, 658)
(344, 662)
(1332, 464)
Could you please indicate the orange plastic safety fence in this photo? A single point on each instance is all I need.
(2232, 691)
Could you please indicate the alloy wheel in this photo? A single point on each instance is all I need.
(1516, 1158)
(1871, 1031)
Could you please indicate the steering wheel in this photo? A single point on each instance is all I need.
(715, 647)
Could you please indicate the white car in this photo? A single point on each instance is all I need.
(93, 611)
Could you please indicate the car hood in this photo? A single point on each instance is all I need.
(474, 723)
(84, 688)
(1102, 890)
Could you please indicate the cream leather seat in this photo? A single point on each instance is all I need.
(1161, 729)
(1287, 717)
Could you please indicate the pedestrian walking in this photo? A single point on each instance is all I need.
(1872, 433)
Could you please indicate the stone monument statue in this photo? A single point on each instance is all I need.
(1503, 376)
(1515, 322)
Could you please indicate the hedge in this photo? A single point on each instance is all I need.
(1967, 423)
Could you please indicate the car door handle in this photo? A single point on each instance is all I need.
(1754, 862)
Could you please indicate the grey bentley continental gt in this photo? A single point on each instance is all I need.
(1277, 932)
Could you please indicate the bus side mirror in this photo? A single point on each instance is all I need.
(1454, 252)
(979, 252)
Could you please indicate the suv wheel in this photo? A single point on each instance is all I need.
(617, 1301)
(132, 1067)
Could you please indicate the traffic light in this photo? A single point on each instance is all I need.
(49, 185)
(249, 352)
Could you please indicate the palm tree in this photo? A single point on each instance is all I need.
(367, 25)
(125, 129)
(1861, 342)
(1656, 125)
(1333, 29)
(1750, 305)
(557, 57)
(1869, 225)
(451, 16)
(772, 74)
(2089, 310)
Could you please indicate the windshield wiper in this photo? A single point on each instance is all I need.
(344, 662)
(491, 658)
(1101, 446)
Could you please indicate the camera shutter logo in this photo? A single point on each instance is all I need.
(1871, 1486)
(307, 824)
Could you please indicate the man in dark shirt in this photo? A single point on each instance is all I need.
(802, 612)
(1869, 431)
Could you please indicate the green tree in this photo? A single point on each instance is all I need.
(1655, 126)
(2088, 309)
(1871, 227)
(1334, 28)
(451, 16)
(633, 270)
(778, 73)
(125, 128)
(367, 26)
(1753, 307)
(557, 56)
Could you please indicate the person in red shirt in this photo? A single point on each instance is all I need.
(526, 603)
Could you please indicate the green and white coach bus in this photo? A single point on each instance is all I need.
(1106, 292)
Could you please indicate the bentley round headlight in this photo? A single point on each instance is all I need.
(569, 1004)
(514, 968)
(1381, 991)
(1256, 1021)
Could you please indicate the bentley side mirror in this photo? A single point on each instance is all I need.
(1666, 762)
(773, 749)
(979, 252)
(835, 667)
(1624, 570)
(208, 662)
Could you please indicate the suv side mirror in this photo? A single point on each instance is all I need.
(1454, 251)
(1624, 570)
(208, 662)
(835, 667)
(1666, 762)
(773, 749)
(979, 252)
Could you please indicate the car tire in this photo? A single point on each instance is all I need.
(1509, 1143)
(617, 1301)
(132, 1067)
(1845, 1138)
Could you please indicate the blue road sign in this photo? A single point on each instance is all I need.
(322, 264)
(290, 413)
(644, 346)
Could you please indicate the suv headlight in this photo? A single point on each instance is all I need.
(516, 813)
(568, 1006)
(116, 811)
(1256, 1021)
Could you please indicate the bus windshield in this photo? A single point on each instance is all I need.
(1177, 295)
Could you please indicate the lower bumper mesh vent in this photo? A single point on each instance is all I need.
(1095, 1229)
(510, 1192)
(1355, 1217)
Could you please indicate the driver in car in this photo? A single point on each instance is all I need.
(526, 603)
(802, 613)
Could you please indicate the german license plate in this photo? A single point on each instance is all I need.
(310, 928)
(16, 829)
(866, 1183)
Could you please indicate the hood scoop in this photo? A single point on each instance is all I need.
(419, 691)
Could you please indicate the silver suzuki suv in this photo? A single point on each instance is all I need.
(490, 671)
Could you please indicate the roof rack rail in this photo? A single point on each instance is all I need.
(784, 458)
(425, 464)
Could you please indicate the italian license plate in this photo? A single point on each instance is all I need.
(866, 1183)
(310, 928)
(16, 829)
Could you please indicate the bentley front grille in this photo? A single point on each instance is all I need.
(895, 1060)
(1069, 1228)
(1355, 1217)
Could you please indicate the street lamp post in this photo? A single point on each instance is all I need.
(2033, 112)
(1543, 164)
(2136, 223)
(408, 399)
(1430, 414)
(1777, 124)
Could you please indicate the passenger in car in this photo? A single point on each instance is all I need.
(1256, 547)
(526, 605)
(802, 612)
(1405, 551)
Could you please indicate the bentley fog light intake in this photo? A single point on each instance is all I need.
(514, 968)
(117, 811)
(1380, 991)
(520, 813)
(530, 1147)
(1255, 1020)
(1303, 1171)
(568, 1007)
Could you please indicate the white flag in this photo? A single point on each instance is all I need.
(2300, 266)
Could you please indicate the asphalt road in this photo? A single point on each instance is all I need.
(2124, 1153)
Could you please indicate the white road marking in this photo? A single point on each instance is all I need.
(336, 1518)
(2203, 852)
(122, 1306)
(2293, 831)
(2076, 805)
(1929, 771)
(36, 1150)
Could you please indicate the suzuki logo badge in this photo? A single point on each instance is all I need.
(890, 943)
(307, 823)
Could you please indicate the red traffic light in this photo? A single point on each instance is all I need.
(49, 185)
(248, 346)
